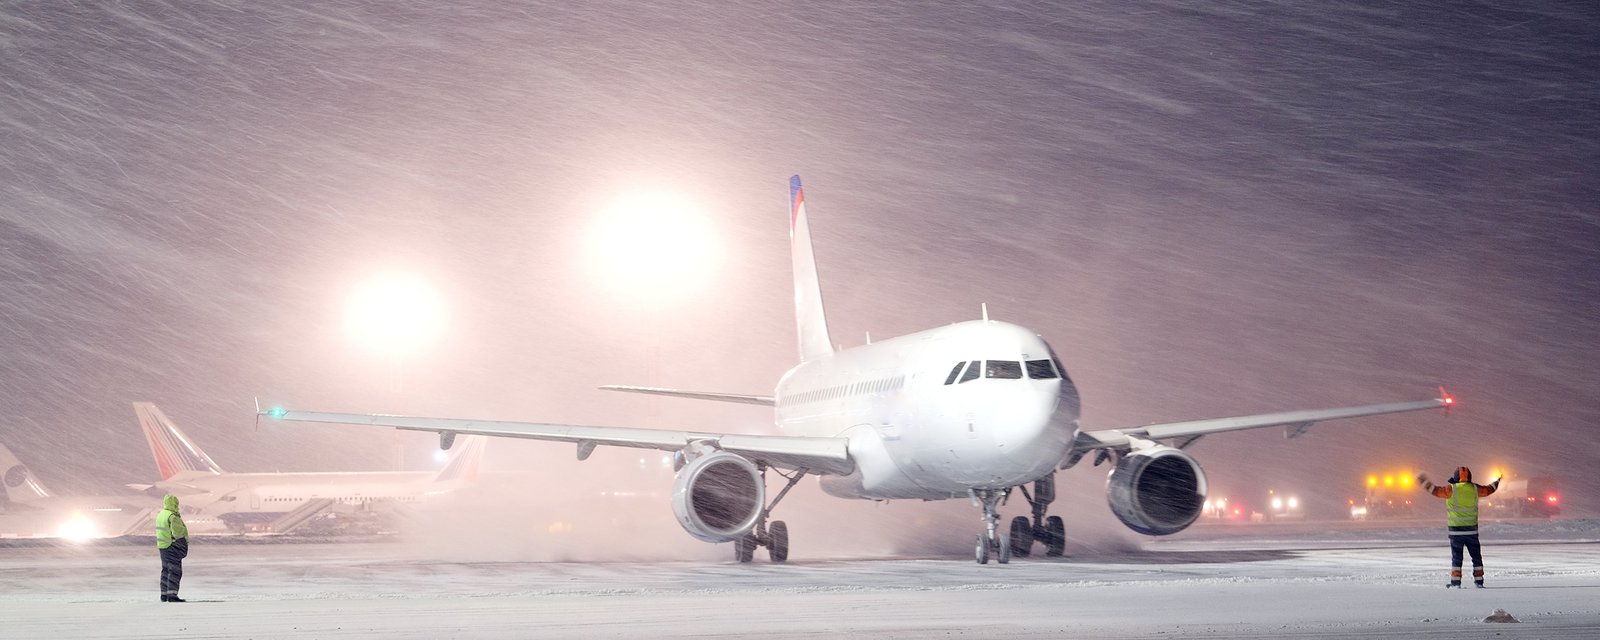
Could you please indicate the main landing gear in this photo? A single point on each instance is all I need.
(1050, 531)
(775, 537)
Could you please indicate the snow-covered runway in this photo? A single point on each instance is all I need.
(1222, 586)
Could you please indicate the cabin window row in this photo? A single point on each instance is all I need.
(881, 385)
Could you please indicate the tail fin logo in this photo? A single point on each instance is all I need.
(21, 485)
(174, 452)
(797, 203)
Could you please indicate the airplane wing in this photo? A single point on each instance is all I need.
(765, 401)
(828, 456)
(1185, 433)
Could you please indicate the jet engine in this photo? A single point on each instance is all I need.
(1156, 491)
(718, 496)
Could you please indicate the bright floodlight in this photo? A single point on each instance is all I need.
(394, 315)
(77, 529)
(653, 245)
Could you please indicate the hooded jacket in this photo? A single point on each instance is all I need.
(1461, 499)
(169, 524)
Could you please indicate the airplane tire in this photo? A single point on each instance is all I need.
(983, 550)
(744, 549)
(1004, 544)
(1056, 544)
(779, 549)
(1021, 537)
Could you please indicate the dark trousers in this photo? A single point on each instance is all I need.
(172, 566)
(1470, 543)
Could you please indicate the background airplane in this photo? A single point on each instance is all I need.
(30, 511)
(972, 410)
(215, 500)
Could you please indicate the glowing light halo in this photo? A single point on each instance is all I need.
(394, 314)
(653, 245)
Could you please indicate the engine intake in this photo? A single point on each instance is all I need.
(718, 497)
(1157, 491)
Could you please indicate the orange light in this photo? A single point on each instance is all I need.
(1372, 481)
(1405, 480)
(1388, 481)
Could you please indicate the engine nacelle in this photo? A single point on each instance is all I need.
(718, 496)
(1157, 491)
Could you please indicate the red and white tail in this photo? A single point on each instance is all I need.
(21, 485)
(465, 458)
(810, 319)
(175, 453)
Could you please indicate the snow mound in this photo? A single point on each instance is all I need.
(1500, 615)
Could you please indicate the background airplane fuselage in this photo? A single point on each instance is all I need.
(915, 437)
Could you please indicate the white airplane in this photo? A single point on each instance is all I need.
(215, 500)
(970, 410)
(30, 511)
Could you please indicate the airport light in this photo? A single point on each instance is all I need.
(653, 245)
(395, 315)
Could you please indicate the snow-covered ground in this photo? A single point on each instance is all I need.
(1217, 582)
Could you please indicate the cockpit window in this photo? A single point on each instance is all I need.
(972, 372)
(1006, 369)
(955, 372)
(1041, 370)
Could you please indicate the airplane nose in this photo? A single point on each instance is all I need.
(1031, 425)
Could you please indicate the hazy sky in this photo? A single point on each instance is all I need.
(1208, 209)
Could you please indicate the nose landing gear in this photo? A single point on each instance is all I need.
(1049, 530)
(991, 541)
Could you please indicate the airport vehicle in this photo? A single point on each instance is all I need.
(214, 499)
(30, 511)
(971, 410)
(1531, 497)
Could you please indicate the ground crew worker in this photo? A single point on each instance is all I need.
(172, 539)
(1461, 504)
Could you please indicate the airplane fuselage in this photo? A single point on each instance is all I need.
(934, 414)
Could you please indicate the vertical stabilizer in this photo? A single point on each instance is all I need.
(174, 452)
(809, 317)
(20, 483)
(464, 461)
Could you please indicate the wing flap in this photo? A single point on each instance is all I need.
(817, 455)
(1296, 421)
(740, 398)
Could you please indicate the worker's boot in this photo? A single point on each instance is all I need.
(1453, 583)
(174, 598)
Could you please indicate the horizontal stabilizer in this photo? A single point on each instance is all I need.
(694, 395)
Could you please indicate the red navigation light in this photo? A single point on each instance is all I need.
(1446, 398)
(1551, 499)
